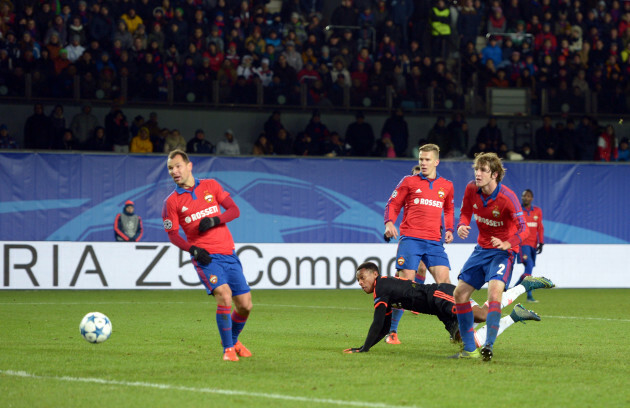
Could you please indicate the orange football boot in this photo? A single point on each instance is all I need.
(392, 338)
(230, 354)
(242, 350)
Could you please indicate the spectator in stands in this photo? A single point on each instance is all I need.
(490, 135)
(339, 68)
(262, 146)
(469, 23)
(360, 136)
(440, 30)
(117, 131)
(398, 129)
(294, 59)
(97, 142)
(57, 124)
(131, 19)
(317, 131)
(245, 69)
(7, 141)
(607, 145)
(498, 80)
(458, 136)
(243, 92)
(336, 147)
(308, 74)
(141, 143)
(623, 153)
(547, 141)
(174, 140)
(75, 49)
(479, 147)
(344, 15)
(199, 144)
(401, 12)
(264, 72)
(385, 147)
(83, 124)
(438, 135)
(586, 139)
(305, 145)
(159, 141)
(229, 146)
(527, 152)
(273, 124)
(492, 51)
(282, 143)
(66, 142)
(567, 136)
(497, 23)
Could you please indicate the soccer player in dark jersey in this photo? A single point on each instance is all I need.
(502, 229)
(434, 299)
(535, 240)
(195, 206)
(425, 196)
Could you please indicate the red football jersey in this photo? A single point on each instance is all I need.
(423, 200)
(186, 208)
(497, 215)
(534, 219)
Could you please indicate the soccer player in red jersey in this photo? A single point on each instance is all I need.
(535, 240)
(434, 299)
(502, 229)
(425, 197)
(195, 206)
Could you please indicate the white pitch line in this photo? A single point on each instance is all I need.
(270, 305)
(24, 374)
(586, 318)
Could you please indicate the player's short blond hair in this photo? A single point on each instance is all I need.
(430, 147)
(493, 162)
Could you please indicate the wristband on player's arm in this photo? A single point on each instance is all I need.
(208, 222)
(201, 255)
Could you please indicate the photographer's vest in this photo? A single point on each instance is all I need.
(128, 224)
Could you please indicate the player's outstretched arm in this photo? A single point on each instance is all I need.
(378, 329)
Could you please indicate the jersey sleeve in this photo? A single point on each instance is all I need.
(522, 231)
(380, 325)
(220, 193)
(465, 214)
(170, 218)
(541, 228)
(449, 210)
(396, 201)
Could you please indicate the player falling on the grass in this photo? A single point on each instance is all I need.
(425, 197)
(502, 229)
(535, 240)
(434, 299)
(195, 205)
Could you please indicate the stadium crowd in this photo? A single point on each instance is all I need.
(564, 47)
(585, 140)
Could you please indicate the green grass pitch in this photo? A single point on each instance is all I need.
(165, 352)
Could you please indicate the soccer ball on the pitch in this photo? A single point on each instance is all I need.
(95, 327)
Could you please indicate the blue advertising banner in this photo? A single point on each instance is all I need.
(75, 197)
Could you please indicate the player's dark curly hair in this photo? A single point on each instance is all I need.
(370, 266)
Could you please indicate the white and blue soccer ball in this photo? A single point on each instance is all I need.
(95, 327)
